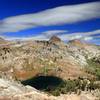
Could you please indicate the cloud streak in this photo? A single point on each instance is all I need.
(81, 35)
(51, 33)
(86, 36)
(55, 16)
(46, 35)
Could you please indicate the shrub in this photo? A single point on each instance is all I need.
(93, 68)
(78, 85)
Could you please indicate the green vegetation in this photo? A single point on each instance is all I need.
(45, 70)
(93, 68)
(76, 86)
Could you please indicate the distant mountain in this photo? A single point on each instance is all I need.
(75, 41)
(55, 39)
(2, 40)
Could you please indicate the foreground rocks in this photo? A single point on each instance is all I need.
(15, 91)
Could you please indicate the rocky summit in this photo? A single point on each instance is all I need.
(55, 39)
(2, 41)
(49, 70)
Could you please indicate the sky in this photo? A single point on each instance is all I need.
(41, 19)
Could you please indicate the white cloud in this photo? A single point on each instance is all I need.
(50, 33)
(42, 36)
(81, 35)
(87, 36)
(37, 37)
(55, 16)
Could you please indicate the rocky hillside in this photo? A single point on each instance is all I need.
(22, 60)
(26, 59)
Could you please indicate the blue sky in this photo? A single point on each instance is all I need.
(41, 19)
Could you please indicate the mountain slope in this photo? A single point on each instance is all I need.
(27, 59)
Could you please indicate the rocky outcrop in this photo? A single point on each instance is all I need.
(11, 90)
(2, 41)
(54, 39)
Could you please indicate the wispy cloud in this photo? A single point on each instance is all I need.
(37, 37)
(55, 16)
(87, 36)
(50, 33)
(81, 35)
(46, 35)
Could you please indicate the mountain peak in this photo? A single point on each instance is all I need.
(2, 40)
(76, 41)
(55, 39)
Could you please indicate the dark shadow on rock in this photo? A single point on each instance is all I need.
(46, 83)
